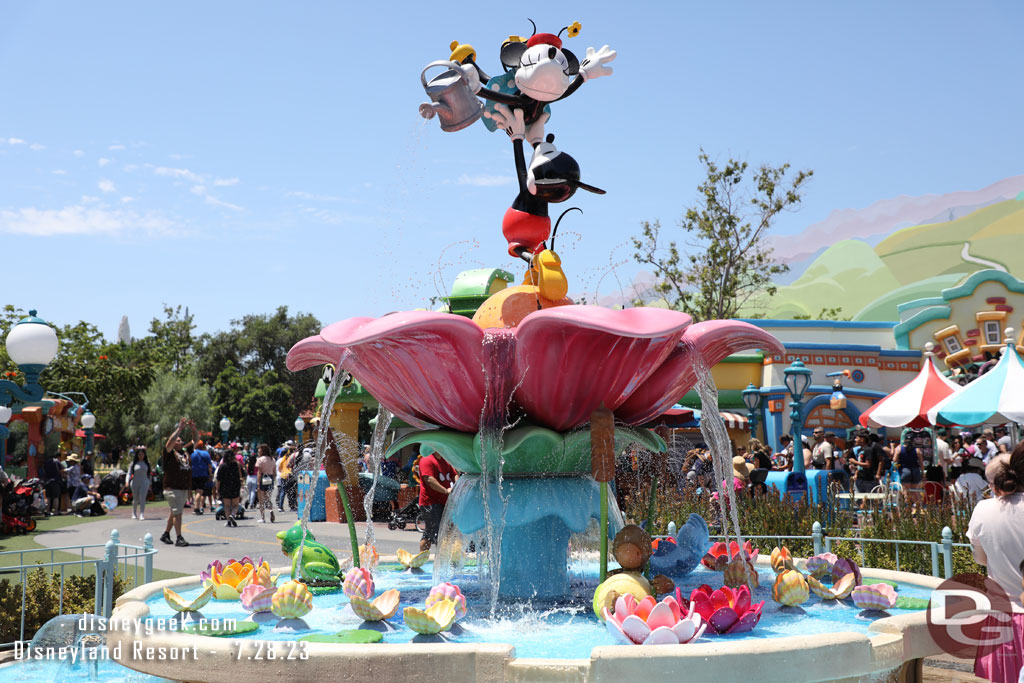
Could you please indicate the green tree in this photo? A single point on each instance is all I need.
(728, 261)
(170, 396)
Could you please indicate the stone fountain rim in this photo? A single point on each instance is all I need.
(843, 655)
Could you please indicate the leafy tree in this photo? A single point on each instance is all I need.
(729, 260)
(171, 396)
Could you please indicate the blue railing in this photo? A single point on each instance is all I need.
(114, 553)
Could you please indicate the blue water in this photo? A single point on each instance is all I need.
(546, 630)
(51, 671)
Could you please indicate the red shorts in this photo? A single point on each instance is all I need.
(524, 230)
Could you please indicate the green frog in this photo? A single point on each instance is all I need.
(317, 562)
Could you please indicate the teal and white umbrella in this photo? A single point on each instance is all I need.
(996, 397)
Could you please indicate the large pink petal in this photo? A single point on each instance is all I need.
(708, 342)
(574, 358)
(723, 619)
(661, 615)
(423, 366)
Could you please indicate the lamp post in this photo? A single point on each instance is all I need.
(752, 400)
(88, 422)
(300, 425)
(225, 426)
(31, 344)
(798, 378)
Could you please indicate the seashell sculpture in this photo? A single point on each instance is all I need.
(781, 560)
(725, 610)
(719, 556)
(844, 566)
(740, 572)
(839, 590)
(649, 622)
(369, 558)
(877, 596)
(178, 604)
(819, 565)
(448, 591)
(438, 617)
(258, 599)
(293, 600)
(383, 607)
(358, 581)
(262, 576)
(790, 588)
(410, 561)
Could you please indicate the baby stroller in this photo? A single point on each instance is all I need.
(410, 514)
(111, 484)
(20, 501)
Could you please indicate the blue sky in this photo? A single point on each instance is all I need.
(234, 157)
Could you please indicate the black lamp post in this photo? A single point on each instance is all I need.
(798, 378)
(752, 399)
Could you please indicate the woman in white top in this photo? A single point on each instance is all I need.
(996, 531)
(138, 481)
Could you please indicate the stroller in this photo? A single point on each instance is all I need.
(21, 500)
(410, 514)
(111, 484)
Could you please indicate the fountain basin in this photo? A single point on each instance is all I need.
(841, 651)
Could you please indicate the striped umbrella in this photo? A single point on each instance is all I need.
(908, 406)
(996, 397)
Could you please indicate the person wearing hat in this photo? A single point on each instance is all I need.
(741, 470)
(971, 483)
(74, 471)
(84, 498)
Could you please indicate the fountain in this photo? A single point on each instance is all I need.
(508, 398)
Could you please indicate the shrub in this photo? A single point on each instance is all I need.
(42, 600)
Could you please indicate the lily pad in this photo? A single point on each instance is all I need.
(906, 602)
(324, 590)
(390, 566)
(357, 635)
(205, 628)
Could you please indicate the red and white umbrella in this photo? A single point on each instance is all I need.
(908, 406)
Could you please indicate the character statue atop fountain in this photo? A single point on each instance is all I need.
(317, 563)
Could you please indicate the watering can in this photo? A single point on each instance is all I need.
(450, 98)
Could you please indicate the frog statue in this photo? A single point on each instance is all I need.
(318, 562)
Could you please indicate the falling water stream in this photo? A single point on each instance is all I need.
(712, 427)
(376, 456)
(321, 443)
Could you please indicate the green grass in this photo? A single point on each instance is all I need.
(36, 553)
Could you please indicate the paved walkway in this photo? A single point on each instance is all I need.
(210, 539)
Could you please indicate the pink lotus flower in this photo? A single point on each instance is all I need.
(649, 622)
(725, 610)
(428, 368)
(719, 556)
(208, 572)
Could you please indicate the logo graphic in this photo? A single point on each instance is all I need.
(967, 612)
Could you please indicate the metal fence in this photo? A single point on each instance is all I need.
(129, 557)
(941, 550)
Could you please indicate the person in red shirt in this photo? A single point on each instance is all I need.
(437, 478)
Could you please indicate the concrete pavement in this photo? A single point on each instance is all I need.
(209, 539)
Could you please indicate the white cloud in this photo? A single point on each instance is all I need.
(125, 200)
(179, 157)
(180, 173)
(14, 141)
(36, 147)
(225, 182)
(227, 205)
(484, 180)
(89, 199)
(106, 185)
(129, 168)
(116, 147)
(78, 153)
(79, 220)
(103, 161)
(59, 171)
(199, 190)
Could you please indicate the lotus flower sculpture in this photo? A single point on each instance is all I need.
(448, 591)
(877, 596)
(839, 590)
(819, 565)
(358, 581)
(438, 617)
(720, 555)
(790, 588)
(382, 607)
(650, 622)
(781, 560)
(229, 583)
(725, 610)
(179, 604)
(428, 368)
(410, 561)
